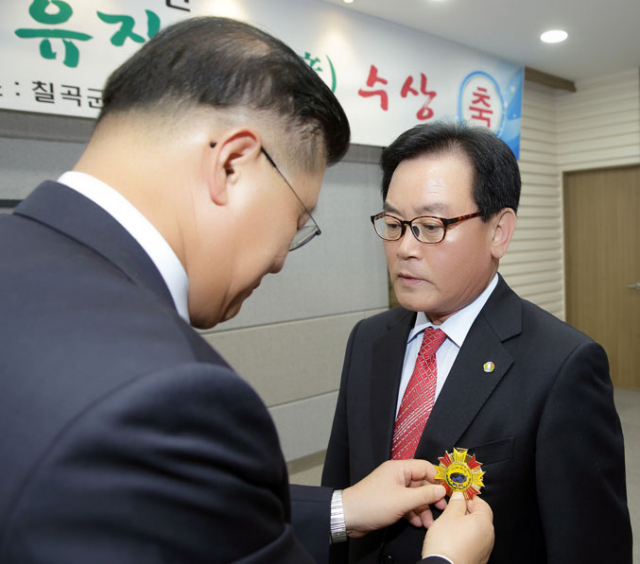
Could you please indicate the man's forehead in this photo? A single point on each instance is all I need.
(417, 208)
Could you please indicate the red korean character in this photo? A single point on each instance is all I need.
(425, 112)
(478, 112)
(373, 79)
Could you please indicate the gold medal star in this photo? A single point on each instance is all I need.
(460, 472)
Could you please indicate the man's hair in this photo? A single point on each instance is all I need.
(227, 64)
(496, 176)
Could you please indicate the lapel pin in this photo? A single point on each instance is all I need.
(489, 367)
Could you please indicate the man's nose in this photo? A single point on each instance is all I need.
(408, 245)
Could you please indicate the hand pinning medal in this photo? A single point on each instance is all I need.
(460, 472)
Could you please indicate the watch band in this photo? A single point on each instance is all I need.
(337, 525)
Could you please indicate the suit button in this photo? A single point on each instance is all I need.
(387, 559)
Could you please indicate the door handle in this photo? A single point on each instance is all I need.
(635, 286)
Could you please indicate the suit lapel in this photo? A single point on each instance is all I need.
(468, 386)
(70, 213)
(388, 357)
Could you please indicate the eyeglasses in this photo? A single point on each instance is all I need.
(306, 233)
(426, 229)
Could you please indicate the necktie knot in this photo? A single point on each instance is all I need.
(431, 341)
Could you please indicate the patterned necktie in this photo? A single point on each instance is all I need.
(418, 398)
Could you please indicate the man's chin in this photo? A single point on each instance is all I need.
(236, 305)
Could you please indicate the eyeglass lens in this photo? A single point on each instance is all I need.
(425, 229)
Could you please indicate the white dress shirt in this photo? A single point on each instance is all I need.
(141, 229)
(455, 327)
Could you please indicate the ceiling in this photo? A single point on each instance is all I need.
(604, 35)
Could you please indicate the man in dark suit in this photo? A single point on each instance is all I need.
(527, 394)
(125, 437)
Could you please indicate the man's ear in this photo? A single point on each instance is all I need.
(228, 159)
(504, 227)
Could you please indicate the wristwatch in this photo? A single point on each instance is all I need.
(337, 525)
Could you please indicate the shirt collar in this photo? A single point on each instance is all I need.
(458, 325)
(141, 229)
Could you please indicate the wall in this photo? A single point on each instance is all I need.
(599, 125)
(534, 264)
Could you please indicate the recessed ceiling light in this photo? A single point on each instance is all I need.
(554, 36)
(348, 1)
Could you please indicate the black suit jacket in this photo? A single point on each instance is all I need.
(543, 424)
(124, 437)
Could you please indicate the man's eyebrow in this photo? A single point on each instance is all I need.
(389, 208)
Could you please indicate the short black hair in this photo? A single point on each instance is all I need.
(224, 63)
(496, 176)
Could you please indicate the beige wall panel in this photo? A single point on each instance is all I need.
(537, 231)
(343, 270)
(308, 470)
(536, 118)
(533, 266)
(285, 362)
(595, 105)
(541, 203)
(533, 260)
(601, 158)
(304, 426)
(550, 168)
(599, 125)
(523, 245)
(25, 163)
(540, 135)
(532, 180)
(607, 121)
(515, 269)
(546, 148)
(612, 126)
(606, 89)
(609, 141)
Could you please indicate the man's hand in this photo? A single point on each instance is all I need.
(463, 533)
(395, 489)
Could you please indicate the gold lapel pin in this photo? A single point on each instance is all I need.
(489, 367)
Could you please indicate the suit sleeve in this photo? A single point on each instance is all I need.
(311, 513)
(580, 468)
(178, 466)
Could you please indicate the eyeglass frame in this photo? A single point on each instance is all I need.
(446, 222)
(306, 238)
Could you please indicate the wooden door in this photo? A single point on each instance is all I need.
(602, 259)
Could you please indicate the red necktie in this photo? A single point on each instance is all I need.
(418, 398)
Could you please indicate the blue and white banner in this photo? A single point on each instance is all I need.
(57, 54)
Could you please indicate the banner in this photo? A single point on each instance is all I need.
(57, 55)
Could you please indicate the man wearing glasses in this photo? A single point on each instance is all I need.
(465, 363)
(125, 437)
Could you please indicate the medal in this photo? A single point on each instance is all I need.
(459, 472)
